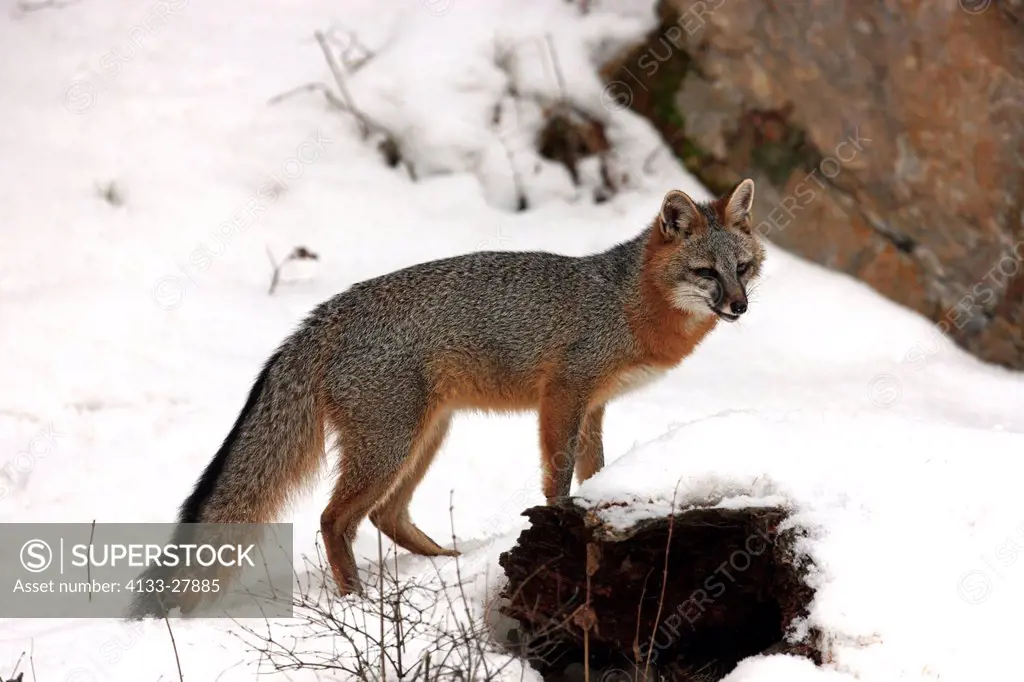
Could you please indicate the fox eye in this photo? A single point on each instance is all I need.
(742, 269)
(706, 273)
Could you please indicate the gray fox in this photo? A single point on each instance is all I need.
(384, 365)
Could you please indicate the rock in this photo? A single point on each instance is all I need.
(583, 590)
(886, 139)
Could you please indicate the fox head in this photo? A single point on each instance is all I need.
(708, 254)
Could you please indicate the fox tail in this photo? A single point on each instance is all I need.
(273, 450)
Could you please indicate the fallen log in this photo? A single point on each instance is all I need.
(684, 596)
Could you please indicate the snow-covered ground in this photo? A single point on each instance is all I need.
(130, 333)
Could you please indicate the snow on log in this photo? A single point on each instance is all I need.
(734, 589)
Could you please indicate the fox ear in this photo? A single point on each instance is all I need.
(679, 217)
(739, 204)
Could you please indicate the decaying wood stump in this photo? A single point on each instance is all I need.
(734, 588)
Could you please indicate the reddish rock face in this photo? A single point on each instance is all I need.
(886, 138)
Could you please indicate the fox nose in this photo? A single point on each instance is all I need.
(738, 307)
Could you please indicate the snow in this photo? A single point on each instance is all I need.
(913, 538)
(130, 334)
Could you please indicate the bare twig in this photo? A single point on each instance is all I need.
(455, 546)
(277, 272)
(349, 44)
(550, 41)
(639, 608)
(339, 78)
(389, 146)
(328, 94)
(174, 645)
(664, 578)
(380, 563)
(88, 566)
(26, 7)
(17, 664)
(522, 203)
(456, 646)
(399, 639)
(586, 637)
(232, 667)
(298, 253)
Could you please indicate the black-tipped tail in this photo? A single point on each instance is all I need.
(191, 510)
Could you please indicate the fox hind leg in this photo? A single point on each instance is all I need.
(392, 516)
(372, 462)
(350, 501)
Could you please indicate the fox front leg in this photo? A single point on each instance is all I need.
(590, 453)
(561, 423)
